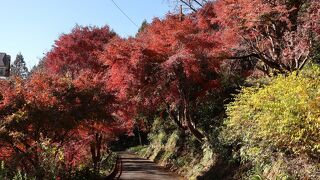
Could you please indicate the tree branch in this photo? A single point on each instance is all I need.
(198, 3)
(189, 5)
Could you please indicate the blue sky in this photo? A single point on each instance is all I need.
(31, 26)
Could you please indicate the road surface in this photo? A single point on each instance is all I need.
(143, 169)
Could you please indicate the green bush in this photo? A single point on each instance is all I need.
(5, 173)
(3, 170)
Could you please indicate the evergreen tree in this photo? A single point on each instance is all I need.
(19, 68)
(144, 24)
(38, 67)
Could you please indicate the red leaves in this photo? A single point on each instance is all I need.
(121, 56)
(143, 71)
(79, 50)
(98, 82)
(53, 106)
(277, 31)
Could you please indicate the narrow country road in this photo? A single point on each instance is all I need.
(143, 169)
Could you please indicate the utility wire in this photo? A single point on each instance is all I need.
(124, 13)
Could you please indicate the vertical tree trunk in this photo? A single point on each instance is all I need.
(175, 118)
(139, 136)
(184, 89)
(188, 119)
(38, 169)
(177, 121)
(95, 148)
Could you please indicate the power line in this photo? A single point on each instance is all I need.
(124, 14)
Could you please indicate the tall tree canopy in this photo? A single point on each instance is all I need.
(174, 62)
(170, 63)
(66, 102)
(279, 34)
(79, 50)
(58, 108)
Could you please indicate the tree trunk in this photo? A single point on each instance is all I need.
(95, 148)
(184, 89)
(177, 121)
(139, 136)
(194, 131)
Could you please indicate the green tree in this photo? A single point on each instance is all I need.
(38, 67)
(19, 68)
(144, 24)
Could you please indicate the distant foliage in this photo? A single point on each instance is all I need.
(142, 27)
(19, 68)
(38, 67)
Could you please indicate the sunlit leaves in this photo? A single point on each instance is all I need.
(283, 115)
(79, 50)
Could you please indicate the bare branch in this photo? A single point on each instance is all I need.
(189, 5)
(198, 3)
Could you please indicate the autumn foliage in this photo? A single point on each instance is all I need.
(65, 103)
(280, 34)
(93, 84)
(79, 50)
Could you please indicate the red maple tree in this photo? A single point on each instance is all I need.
(279, 34)
(79, 50)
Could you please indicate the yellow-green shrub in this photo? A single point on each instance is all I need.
(283, 116)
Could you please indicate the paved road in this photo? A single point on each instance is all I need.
(143, 169)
